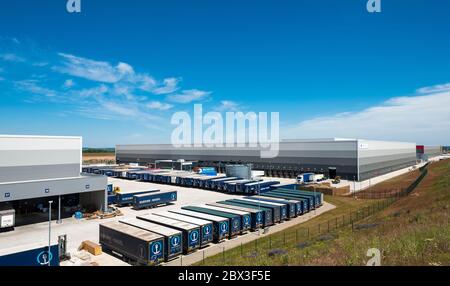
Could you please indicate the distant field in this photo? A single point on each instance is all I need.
(414, 230)
(96, 158)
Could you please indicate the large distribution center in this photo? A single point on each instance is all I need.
(37, 169)
(353, 159)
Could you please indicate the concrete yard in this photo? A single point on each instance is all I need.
(80, 230)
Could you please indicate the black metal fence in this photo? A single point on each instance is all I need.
(393, 193)
(281, 242)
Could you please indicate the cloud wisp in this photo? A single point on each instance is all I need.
(188, 96)
(422, 118)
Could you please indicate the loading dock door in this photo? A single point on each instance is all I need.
(332, 173)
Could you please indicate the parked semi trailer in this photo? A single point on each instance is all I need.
(126, 197)
(271, 214)
(291, 205)
(202, 182)
(318, 196)
(218, 183)
(234, 220)
(259, 187)
(246, 219)
(173, 240)
(255, 217)
(133, 244)
(150, 200)
(310, 198)
(220, 224)
(236, 186)
(191, 232)
(276, 210)
(283, 207)
(303, 202)
(206, 227)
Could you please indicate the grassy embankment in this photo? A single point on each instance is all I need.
(414, 230)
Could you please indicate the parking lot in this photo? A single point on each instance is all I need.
(78, 231)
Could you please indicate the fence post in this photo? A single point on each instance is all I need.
(319, 228)
(241, 250)
(308, 232)
(270, 242)
(204, 257)
(328, 225)
(284, 238)
(296, 236)
(223, 255)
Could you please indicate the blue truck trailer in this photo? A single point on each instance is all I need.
(134, 245)
(294, 188)
(206, 227)
(126, 197)
(246, 219)
(151, 200)
(304, 203)
(218, 183)
(201, 182)
(291, 206)
(234, 221)
(267, 212)
(235, 186)
(284, 214)
(173, 239)
(311, 199)
(257, 216)
(276, 210)
(191, 232)
(220, 224)
(259, 187)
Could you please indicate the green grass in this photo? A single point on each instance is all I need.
(414, 230)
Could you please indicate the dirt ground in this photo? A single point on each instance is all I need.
(97, 158)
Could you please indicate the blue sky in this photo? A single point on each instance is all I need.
(117, 72)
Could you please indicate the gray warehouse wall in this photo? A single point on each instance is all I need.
(294, 157)
(381, 157)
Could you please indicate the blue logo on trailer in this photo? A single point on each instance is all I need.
(236, 224)
(223, 228)
(44, 258)
(193, 238)
(284, 212)
(175, 244)
(207, 232)
(156, 250)
(173, 196)
(246, 220)
(259, 217)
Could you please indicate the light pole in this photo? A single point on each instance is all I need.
(49, 230)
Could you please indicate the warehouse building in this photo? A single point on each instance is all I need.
(427, 152)
(352, 159)
(37, 169)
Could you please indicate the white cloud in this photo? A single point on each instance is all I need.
(421, 118)
(227, 105)
(90, 69)
(33, 87)
(159, 105)
(16, 41)
(93, 92)
(40, 64)
(123, 74)
(187, 96)
(170, 86)
(434, 89)
(69, 83)
(12, 58)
